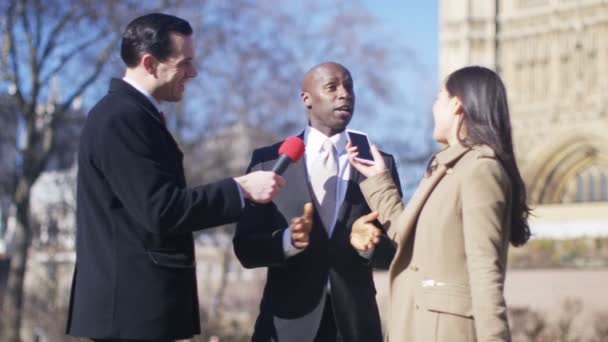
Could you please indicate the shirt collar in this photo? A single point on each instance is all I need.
(314, 139)
(134, 84)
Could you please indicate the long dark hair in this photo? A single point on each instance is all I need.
(487, 121)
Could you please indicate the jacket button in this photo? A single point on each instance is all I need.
(415, 268)
(417, 307)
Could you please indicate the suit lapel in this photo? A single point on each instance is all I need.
(297, 176)
(354, 179)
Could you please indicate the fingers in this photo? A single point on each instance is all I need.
(308, 211)
(364, 241)
(375, 236)
(301, 227)
(364, 234)
(351, 151)
(373, 216)
(280, 181)
(260, 186)
(380, 165)
(376, 153)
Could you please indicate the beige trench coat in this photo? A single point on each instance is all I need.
(447, 277)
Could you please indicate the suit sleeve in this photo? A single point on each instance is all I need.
(132, 161)
(386, 248)
(485, 201)
(258, 241)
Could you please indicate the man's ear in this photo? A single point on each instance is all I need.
(149, 63)
(306, 99)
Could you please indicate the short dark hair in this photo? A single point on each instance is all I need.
(487, 121)
(151, 34)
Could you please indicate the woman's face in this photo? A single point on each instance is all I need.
(444, 116)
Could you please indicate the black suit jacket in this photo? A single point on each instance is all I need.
(294, 294)
(135, 266)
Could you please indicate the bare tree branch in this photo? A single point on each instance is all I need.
(70, 55)
(13, 75)
(38, 17)
(99, 64)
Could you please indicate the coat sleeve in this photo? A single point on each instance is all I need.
(131, 160)
(386, 248)
(258, 241)
(485, 198)
(383, 194)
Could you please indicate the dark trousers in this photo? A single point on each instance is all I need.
(328, 330)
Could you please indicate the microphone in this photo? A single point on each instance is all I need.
(291, 151)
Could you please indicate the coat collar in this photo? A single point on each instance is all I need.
(118, 85)
(450, 154)
(123, 88)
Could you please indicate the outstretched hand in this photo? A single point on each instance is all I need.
(364, 235)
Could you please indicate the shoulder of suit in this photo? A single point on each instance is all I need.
(268, 152)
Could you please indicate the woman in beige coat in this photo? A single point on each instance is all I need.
(447, 277)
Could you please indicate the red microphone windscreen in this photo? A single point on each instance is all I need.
(292, 147)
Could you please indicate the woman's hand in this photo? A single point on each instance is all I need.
(366, 169)
(364, 235)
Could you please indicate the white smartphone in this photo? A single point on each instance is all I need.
(361, 140)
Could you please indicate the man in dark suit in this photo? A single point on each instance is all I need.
(135, 267)
(318, 287)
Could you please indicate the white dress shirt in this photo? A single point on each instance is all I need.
(314, 139)
(134, 84)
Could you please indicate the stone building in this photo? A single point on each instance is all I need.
(553, 58)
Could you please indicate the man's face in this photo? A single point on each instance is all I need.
(173, 73)
(328, 94)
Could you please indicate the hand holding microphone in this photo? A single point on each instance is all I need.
(262, 186)
(291, 151)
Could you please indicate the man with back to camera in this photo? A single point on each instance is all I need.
(318, 287)
(135, 278)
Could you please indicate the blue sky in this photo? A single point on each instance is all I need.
(415, 26)
(415, 23)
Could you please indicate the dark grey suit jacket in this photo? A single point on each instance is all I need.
(294, 295)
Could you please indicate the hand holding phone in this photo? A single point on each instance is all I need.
(361, 141)
(370, 162)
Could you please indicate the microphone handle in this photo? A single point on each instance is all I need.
(281, 165)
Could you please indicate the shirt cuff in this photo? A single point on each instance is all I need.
(288, 248)
(240, 194)
(366, 254)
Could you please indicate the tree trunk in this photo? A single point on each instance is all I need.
(14, 294)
